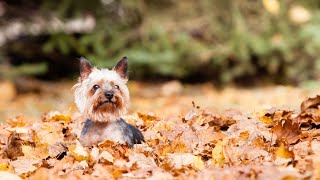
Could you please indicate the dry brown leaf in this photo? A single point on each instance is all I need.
(310, 111)
(13, 148)
(310, 103)
(288, 131)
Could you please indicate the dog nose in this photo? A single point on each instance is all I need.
(109, 94)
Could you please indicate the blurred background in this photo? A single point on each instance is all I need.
(225, 54)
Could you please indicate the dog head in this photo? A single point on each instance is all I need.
(101, 94)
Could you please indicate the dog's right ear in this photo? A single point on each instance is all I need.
(85, 68)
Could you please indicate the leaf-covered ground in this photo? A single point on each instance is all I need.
(183, 140)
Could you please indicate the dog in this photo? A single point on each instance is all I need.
(102, 98)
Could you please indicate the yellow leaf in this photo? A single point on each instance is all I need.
(198, 163)
(272, 6)
(217, 155)
(79, 152)
(60, 117)
(284, 152)
(4, 167)
(266, 119)
(244, 136)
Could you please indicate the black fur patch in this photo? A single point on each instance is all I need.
(131, 134)
(86, 126)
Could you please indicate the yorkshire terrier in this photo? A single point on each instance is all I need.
(102, 98)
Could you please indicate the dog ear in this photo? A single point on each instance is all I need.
(85, 68)
(122, 68)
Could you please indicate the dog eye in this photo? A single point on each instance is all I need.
(95, 87)
(116, 87)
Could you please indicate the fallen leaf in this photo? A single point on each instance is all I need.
(25, 166)
(287, 130)
(13, 148)
(4, 167)
(94, 155)
(61, 117)
(79, 152)
(106, 156)
(266, 119)
(218, 158)
(80, 165)
(198, 163)
(310, 111)
(283, 151)
(40, 152)
(178, 160)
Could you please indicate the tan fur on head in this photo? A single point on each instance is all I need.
(92, 101)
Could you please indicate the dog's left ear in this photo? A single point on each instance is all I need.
(122, 68)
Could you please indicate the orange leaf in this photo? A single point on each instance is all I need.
(284, 152)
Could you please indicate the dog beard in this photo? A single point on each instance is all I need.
(104, 110)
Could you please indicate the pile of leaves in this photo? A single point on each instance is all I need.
(202, 144)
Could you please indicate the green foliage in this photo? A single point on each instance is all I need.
(224, 41)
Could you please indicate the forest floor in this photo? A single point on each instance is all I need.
(191, 132)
